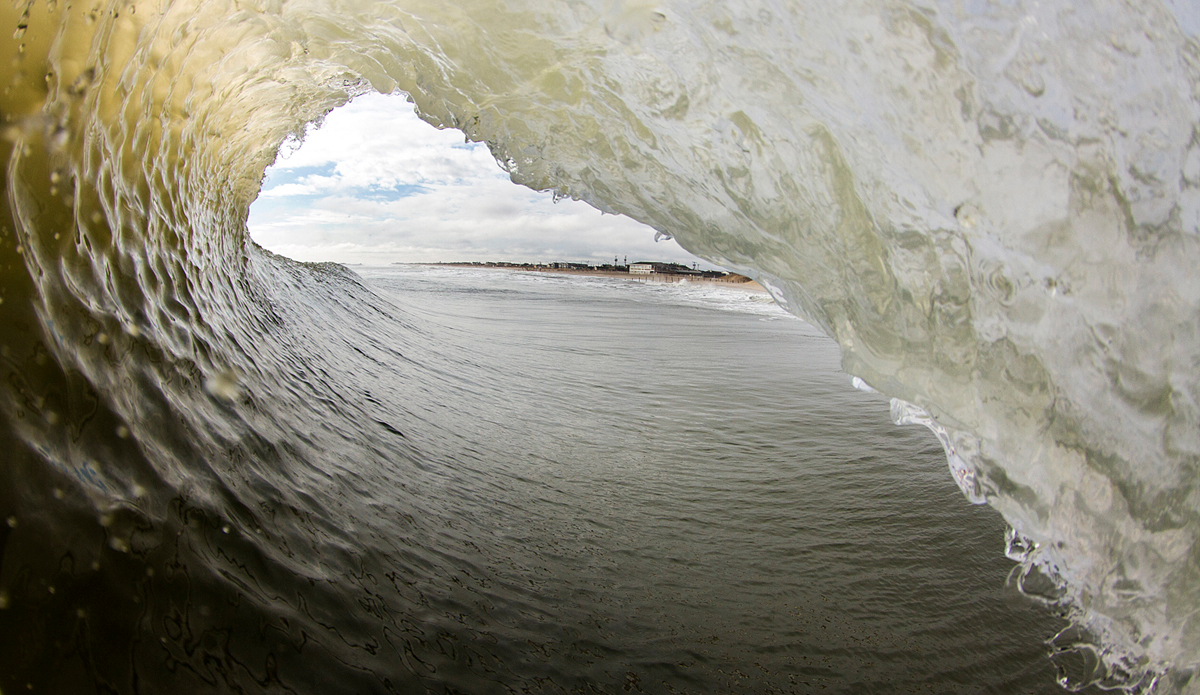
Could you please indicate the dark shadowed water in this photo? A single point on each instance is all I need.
(490, 481)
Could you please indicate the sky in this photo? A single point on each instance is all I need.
(377, 185)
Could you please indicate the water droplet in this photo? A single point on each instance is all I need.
(122, 432)
(223, 385)
(1034, 84)
(968, 215)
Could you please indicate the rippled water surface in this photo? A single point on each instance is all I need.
(488, 481)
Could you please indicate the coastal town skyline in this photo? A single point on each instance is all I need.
(648, 271)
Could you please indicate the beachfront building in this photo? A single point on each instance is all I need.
(649, 268)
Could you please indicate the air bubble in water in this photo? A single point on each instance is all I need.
(223, 385)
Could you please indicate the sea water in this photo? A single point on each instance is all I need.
(677, 531)
(545, 483)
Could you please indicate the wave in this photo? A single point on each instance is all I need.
(992, 208)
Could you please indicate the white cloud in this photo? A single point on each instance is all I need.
(289, 189)
(375, 184)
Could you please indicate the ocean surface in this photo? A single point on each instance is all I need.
(498, 481)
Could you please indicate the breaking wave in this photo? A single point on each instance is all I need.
(992, 207)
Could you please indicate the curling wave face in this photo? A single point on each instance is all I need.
(993, 208)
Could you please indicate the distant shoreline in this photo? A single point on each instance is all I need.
(742, 284)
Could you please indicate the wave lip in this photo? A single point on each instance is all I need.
(992, 208)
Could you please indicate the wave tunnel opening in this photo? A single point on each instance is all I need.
(374, 185)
